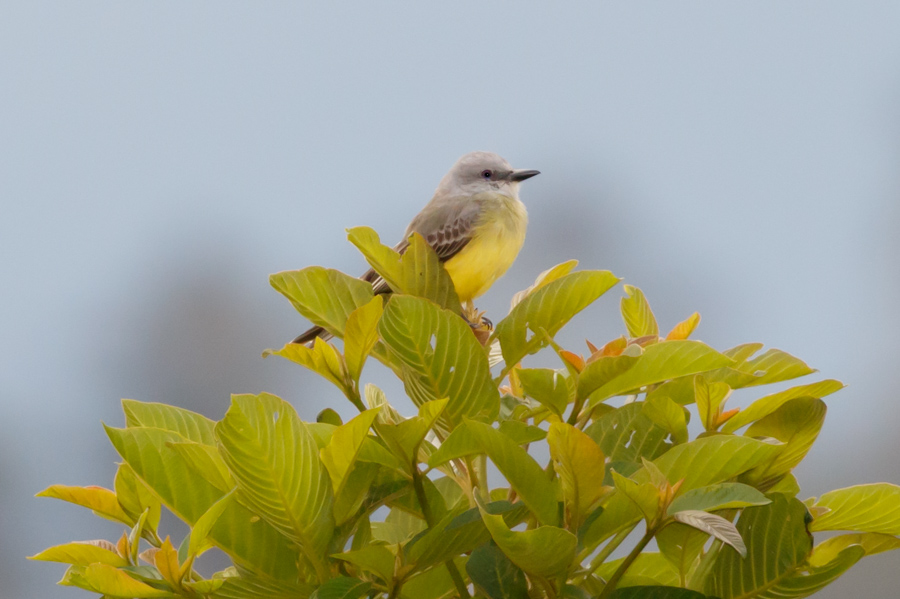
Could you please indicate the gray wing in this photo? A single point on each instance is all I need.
(446, 226)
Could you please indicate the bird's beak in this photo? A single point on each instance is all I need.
(522, 175)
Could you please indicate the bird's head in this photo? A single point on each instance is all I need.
(479, 172)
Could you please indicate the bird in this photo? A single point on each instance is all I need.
(476, 225)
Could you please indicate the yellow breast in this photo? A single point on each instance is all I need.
(496, 241)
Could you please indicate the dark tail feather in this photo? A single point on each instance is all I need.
(310, 335)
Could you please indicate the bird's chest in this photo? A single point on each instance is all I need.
(491, 251)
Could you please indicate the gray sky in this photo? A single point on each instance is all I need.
(159, 160)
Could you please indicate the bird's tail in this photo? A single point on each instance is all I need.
(310, 335)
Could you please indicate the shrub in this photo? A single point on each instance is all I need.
(298, 506)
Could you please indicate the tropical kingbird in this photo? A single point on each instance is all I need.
(475, 223)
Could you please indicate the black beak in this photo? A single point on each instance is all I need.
(522, 175)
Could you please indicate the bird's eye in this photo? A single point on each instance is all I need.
(486, 174)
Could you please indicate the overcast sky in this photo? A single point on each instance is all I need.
(159, 160)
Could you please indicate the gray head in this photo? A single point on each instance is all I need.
(479, 172)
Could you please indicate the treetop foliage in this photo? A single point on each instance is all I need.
(402, 506)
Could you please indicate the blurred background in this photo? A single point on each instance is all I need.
(159, 160)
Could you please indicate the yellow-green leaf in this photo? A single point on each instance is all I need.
(546, 551)
(668, 415)
(766, 405)
(190, 425)
(660, 362)
(547, 309)
(440, 358)
(322, 358)
(82, 553)
(636, 313)
(377, 559)
(520, 469)
(275, 461)
(545, 386)
(340, 454)
(644, 496)
(796, 424)
(871, 542)
(580, 464)
(107, 580)
(545, 278)
(361, 335)
(200, 531)
(102, 501)
(325, 296)
(238, 532)
(863, 508)
(418, 272)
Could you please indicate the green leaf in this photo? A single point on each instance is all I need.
(808, 580)
(710, 397)
(627, 434)
(778, 544)
(796, 424)
(107, 580)
(355, 491)
(718, 497)
(871, 543)
(650, 568)
(521, 433)
(322, 358)
(529, 480)
(241, 534)
(546, 386)
(102, 501)
(788, 485)
(601, 371)
(774, 366)
(546, 551)
(135, 498)
(702, 462)
(863, 508)
(83, 553)
(376, 559)
(247, 586)
(656, 592)
(667, 415)
(580, 465)
(361, 335)
(440, 358)
(458, 533)
(342, 587)
(434, 583)
(275, 461)
(340, 454)
(200, 531)
(325, 296)
(543, 279)
(636, 313)
(207, 463)
(714, 525)
(398, 527)
(405, 437)
(644, 496)
(495, 576)
(681, 545)
(660, 362)
(766, 405)
(418, 272)
(548, 309)
(190, 425)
